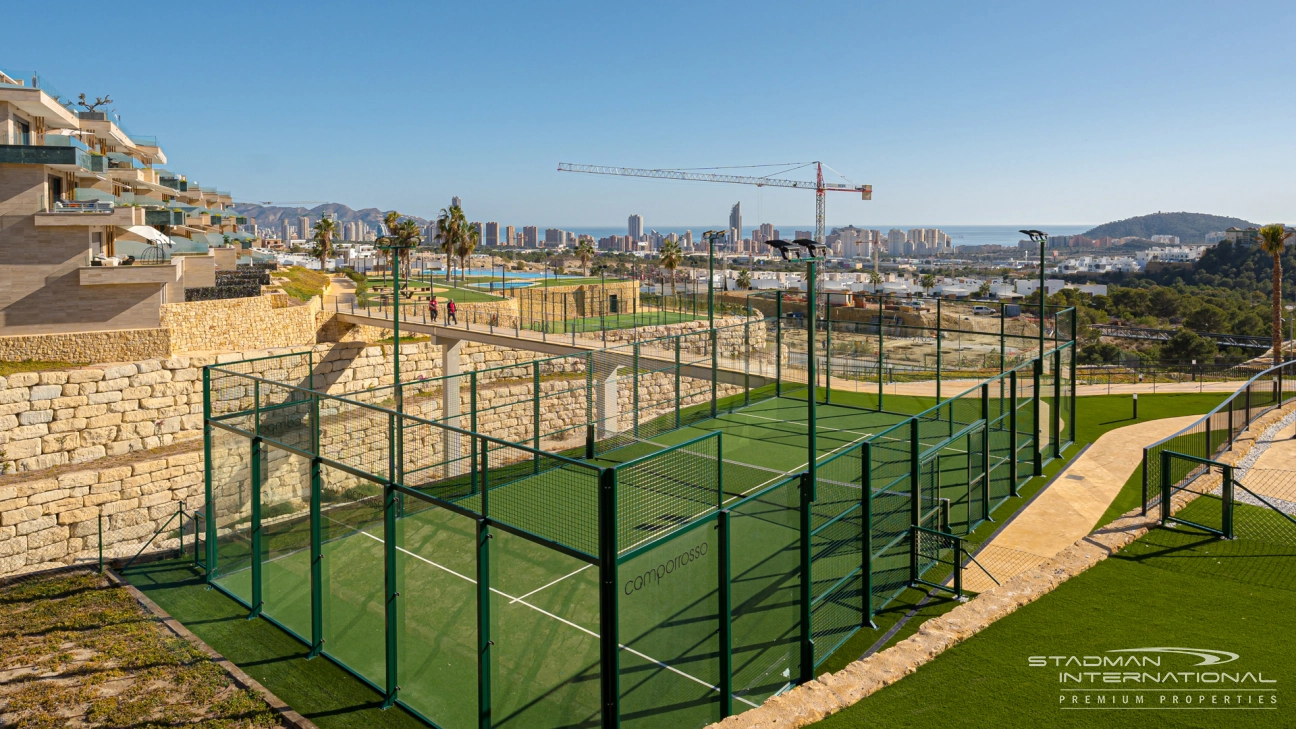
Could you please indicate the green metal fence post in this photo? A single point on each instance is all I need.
(209, 507)
(100, 520)
(484, 641)
(391, 620)
(1012, 429)
(1036, 449)
(1003, 345)
(746, 356)
(778, 344)
(938, 351)
(589, 404)
(609, 618)
(715, 367)
(317, 559)
(915, 498)
(958, 567)
(1055, 416)
(726, 617)
(827, 348)
(256, 455)
(881, 360)
(866, 530)
(985, 453)
(634, 381)
(806, 586)
(1165, 486)
(535, 415)
(1228, 502)
(677, 384)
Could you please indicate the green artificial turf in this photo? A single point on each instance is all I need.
(1174, 587)
(1096, 415)
(316, 688)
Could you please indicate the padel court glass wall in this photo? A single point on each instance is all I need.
(485, 569)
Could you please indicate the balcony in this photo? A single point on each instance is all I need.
(60, 151)
(90, 214)
(155, 218)
(167, 273)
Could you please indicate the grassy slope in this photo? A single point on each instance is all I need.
(302, 283)
(1169, 589)
(318, 688)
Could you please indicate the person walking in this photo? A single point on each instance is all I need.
(432, 309)
(451, 312)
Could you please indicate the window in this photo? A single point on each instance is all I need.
(23, 130)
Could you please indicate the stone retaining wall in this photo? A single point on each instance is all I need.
(257, 322)
(122, 345)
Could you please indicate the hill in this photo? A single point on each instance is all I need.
(1190, 227)
(272, 216)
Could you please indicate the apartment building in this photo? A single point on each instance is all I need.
(79, 196)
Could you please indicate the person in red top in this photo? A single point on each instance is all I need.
(451, 311)
(432, 309)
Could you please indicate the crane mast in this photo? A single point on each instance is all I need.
(819, 186)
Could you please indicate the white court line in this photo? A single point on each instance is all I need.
(824, 429)
(546, 613)
(551, 584)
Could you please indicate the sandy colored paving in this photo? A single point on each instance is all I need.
(1069, 509)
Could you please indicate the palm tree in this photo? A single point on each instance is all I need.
(452, 226)
(875, 278)
(1273, 240)
(984, 290)
(469, 237)
(744, 279)
(927, 282)
(406, 236)
(325, 229)
(585, 252)
(671, 256)
(389, 221)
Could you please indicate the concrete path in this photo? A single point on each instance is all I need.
(1071, 506)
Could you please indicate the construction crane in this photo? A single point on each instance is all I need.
(819, 186)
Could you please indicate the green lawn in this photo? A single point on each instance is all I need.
(1174, 587)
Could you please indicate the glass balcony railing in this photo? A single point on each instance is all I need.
(31, 79)
(65, 140)
(119, 161)
(144, 139)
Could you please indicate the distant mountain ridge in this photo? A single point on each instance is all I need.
(273, 216)
(1190, 227)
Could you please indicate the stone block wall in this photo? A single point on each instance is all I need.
(122, 345)
(49, 522)
(239, 324)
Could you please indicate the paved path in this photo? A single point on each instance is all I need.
(1070, 508)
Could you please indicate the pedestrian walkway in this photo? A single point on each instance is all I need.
(1069, 508)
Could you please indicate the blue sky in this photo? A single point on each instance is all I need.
(958, 112)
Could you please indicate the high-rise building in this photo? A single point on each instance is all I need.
(490, 235)
(554, 237)
(635, 227)
(455, 202)
(807, 234)
(688, 240)
(304, 224)
(896, 240)
(510, 236)
(530, 237)
(735, 220)
(765, 234)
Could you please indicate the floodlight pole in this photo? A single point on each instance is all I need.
(711, 236)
